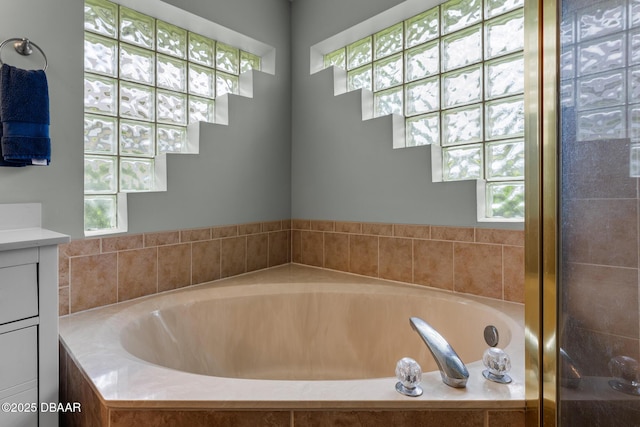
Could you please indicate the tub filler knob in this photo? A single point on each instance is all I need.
(625, 371)
(498, 363)
(409, 376)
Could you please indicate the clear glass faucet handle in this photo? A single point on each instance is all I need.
(626, 378)
(409, 374)
(625, 369)
(498, 363)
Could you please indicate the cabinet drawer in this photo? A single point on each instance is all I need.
(18, 257)
(25, 414)
(18, 357)
(18, 292)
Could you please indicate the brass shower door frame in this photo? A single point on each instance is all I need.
(541, 214)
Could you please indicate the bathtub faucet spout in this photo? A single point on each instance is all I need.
(454, 373)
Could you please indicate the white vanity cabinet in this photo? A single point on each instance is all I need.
(28, 324)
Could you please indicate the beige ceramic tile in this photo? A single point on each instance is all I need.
(513, 273)
(205, 261)
(300, 224)
(501, 237)
(257, 251)
(224, 231)
(198, 418)
(363, 255)
(575, 234)
(506, 418)
(63, 375)
(429, 268)
(389, 418)
(63, 301)
(233, 256)
(457, 234)
(279, 247)
(162, 238)
(92, 412)
(81, 247)
(137, 273)
(63, 248)
(595, 170)
(592, 351)
(195, 235)
(251, 228)
(606, 412)
(64, 396)
(336, 251)
(122, 243)
(477, 269)
(433, 263)
(94, 281)
(592, 290)
(272, 226)
(396, 259)
(415, 231)
(63, 269)
(296, 246)
(317, 225)
(377, 229)
(158, 418)
(174, 266)
(348, 227)
(603, 232)
(312, 248)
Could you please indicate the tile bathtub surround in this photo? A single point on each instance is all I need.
(478, 261)
(102, 271)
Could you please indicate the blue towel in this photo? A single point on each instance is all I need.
(24, 113)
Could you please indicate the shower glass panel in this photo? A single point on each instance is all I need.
(599, 322)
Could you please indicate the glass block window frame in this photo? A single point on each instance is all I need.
(456, 73)
(145, 81)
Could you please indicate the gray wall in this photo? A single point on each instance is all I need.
(243, 171)
(57, 27)
(344, 168)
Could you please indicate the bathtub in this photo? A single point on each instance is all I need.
(285, 338)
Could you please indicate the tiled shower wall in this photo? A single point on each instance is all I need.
(102, 271)
(601, 249)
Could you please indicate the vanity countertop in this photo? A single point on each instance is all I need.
(29, 237)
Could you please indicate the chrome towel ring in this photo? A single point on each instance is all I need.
(23, 47)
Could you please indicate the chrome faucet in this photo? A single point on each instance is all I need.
(454, 373)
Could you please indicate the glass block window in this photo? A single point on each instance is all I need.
(456, 73)
(145, 80)
(600, 70)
